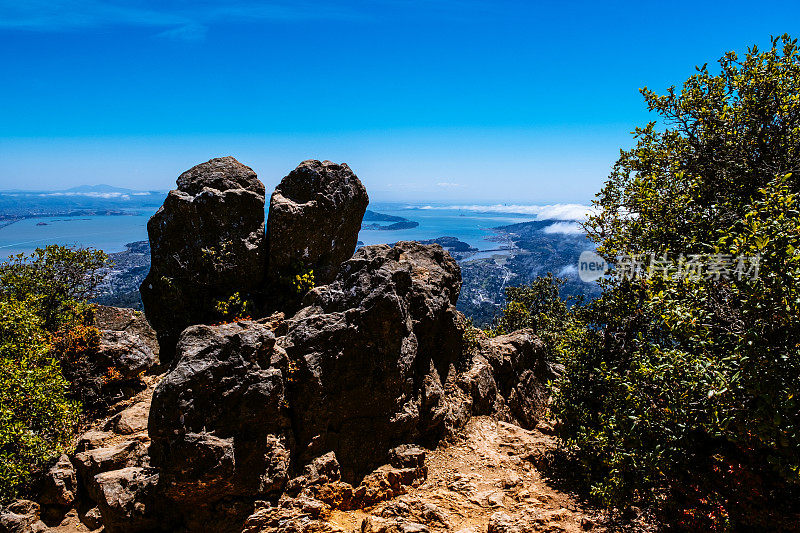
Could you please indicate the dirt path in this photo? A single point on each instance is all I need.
(484, 483)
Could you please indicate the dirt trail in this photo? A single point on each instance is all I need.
(480, 479)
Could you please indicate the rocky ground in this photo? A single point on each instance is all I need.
(485, 480)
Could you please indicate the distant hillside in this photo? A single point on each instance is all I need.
(77, 201)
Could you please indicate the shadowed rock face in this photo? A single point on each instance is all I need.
(314, 217)
(372, 350)
(207, 242)
(218, 420)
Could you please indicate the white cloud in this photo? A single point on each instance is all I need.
(449, 185)
(104, 195)
(568, 228)
(576, 212)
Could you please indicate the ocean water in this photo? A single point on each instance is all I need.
(111, 233)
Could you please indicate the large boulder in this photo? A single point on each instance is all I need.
(371, 352)
(314, 217)
(218, 423)
(207, 243)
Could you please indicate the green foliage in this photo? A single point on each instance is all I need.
(42, 303)
(681, 392)
(303, 281)
(541, 307)
(235, 307)
(59, 279)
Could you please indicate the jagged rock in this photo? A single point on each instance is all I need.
(60, 484)
(479, 383)
(374, 524)
(132, 420)
(92, 440)
(126, 501)
(127, 342)
(521, 372)
(314, 217)
(21, 516)
(218, 420)
(371, 350)
(407, 456)
(323, 469)
(122, 455)
(207, 243)
(92, 518)
(295, 515)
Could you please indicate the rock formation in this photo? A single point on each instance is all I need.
(207, 243)
(268, 424)
(371, 351)
(314, 217)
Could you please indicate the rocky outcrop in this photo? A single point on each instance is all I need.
(21, 516)
(314, 217)
(218, 420)
(517, 365)
(271, 424)
(371, 352)
(207, 243)
(127, 342)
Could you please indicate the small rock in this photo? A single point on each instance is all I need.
(60, 484)
(322, 469)
(407, 456)
(133, 419)
(21, 516)
(92, 518)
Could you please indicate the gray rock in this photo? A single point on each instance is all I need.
(125, 499)
(121, 455)
(120, 328)
(369, 350)
(207, 242)
(21, 516)
(314, 217)
(407, 456)
(92, 518)
(218, 420)
(521, 372)
(60, 484)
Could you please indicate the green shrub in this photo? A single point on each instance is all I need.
(681, 393)
(36, 418)
(44, 322)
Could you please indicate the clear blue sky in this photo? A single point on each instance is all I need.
(426, 100)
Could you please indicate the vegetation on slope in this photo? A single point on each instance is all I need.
(681, 383)
(44, 320)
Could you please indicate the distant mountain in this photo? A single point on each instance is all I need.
(76, 201)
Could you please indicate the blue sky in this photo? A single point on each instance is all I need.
(426, 100)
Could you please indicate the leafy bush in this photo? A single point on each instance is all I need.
(541, 307)
(44, 322)
(682, 390)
